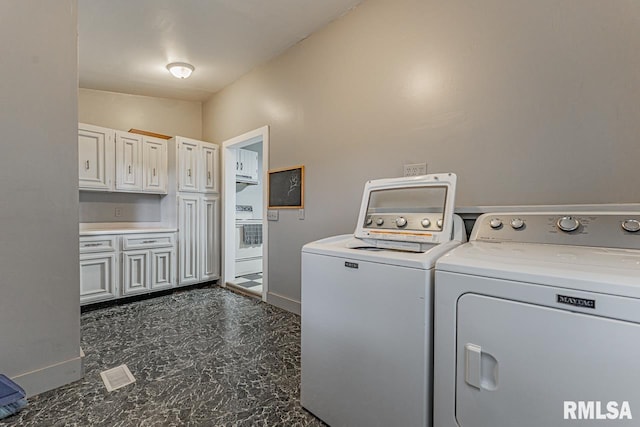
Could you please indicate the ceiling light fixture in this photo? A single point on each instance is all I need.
(180, 70)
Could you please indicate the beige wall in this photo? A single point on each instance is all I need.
(39, 280)
(529, 102)
(124, 111)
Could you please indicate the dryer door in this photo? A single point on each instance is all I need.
(519, 364)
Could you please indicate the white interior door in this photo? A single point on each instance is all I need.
(229, 158)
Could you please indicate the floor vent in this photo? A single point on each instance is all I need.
(117, 377)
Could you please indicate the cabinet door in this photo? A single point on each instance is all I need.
(162, 268)
(240, 163)
(188, 239)
(135, 272)
(95, 158)
(210, 239)
(154, 165)
(252, 165)
(210, 158)
(128, 161)
(97, 277)
(188, 155)
(246, 166)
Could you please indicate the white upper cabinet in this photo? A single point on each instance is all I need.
(188, 162)
(210, 158)
(111, 160)
(95, 157)
(154, 165)
(246, 166)
(197, 165)
(128, 161)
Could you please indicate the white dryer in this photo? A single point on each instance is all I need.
(367, 306)
(537, 322)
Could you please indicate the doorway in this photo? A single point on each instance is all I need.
(245, 161)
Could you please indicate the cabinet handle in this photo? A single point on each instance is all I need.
(88, 245)
(87, 165)
(149, 241)
(209, 175)
(154, 171)
(237, 165)
(188, 172)
(129, 168)
(241, 166)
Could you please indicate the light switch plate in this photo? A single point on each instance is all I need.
(272, 215)
(300, 213)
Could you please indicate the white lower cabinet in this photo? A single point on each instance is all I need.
(140, 263)
(135, 272)
(209, 239)
(98, 265)
(188, 230)
(147, 262)
(162, 268)
(97, 277)
(199, 241)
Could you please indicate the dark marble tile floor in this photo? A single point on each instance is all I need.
(202, 357)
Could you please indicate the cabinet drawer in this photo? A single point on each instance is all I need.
(97, 244)
(147, 241)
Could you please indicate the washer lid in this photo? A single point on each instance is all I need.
(343, 247)
(407, 210)
(604, 270)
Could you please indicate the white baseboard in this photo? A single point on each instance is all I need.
(284, 303)
(50, 377)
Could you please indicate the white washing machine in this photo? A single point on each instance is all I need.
(537, 322)
(367, 306)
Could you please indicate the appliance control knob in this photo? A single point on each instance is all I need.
(568, 224)
(369, 221)
(495, 223)
(632, 225)
(401, 221)
(379, 221)
(425, 223)
(517, 223)
(439, 223)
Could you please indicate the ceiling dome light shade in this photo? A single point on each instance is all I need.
(180, 70)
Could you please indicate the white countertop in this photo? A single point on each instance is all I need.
(98, 228)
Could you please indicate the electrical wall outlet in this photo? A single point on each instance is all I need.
(415, 169)
(272, 215)
(118, 212)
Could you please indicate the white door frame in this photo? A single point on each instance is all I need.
(229, 203)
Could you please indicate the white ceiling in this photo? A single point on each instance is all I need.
(125, 45)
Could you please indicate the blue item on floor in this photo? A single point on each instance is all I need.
(12, 397)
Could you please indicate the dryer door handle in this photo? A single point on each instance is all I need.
(481, 368)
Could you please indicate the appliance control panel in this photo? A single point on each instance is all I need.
(405, 221)
(599, 229)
